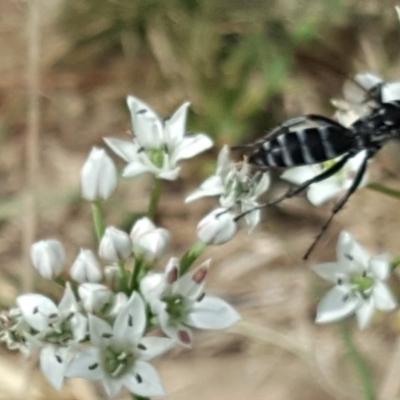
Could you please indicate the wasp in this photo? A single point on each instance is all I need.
(314, 139)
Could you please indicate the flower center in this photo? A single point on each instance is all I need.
(61, 332)
(363, 283)
(116, 361)
(156, 156)
(176, 308)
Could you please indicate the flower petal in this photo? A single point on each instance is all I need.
(175, 127)
(383, 297)
(212, 186)
(321, 192)
(212, 313)
(130, 324)
(36, 310)
(151, 347)
(86, 365)
(127, 150)
(331, 271)
(112, 385)
(99, 330)
(337, 304)
(144, 380)
(135, 168)
(53, 362)
(299, 175)
(365, 313)
(190, 146)
(147, 124)
(191, 284)
(380, 266)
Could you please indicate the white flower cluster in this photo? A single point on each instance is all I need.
(117, 313)
(235, 185)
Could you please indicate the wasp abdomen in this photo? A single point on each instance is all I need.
(304, 147)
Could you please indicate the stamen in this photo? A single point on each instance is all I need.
(93, 366)
(141, 346)
(138, 378)
(58, 358)
(35, 310)
(201, 297)
(107, 335)
(349, 257)
(130, 320)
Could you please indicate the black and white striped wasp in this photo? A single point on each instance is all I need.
(312, 139)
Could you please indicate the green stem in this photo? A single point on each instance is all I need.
(133, 283)
(98, 220)
(123, 283)
(60, 281)
(358, 362)
(134, 397)
(155, 197)
(383, 189)
(191, 256)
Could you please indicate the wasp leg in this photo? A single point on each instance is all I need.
(340, 204)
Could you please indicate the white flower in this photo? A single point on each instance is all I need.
(217, 227)
(321, 192)
(48, 257)
(159, 144)
(233, 184)
(360, 287)
(86, 268)
(56, 331)
(115, 245)
(99, 176)
(95, 297)
(149, 242)
(119, 355)
(179, 302)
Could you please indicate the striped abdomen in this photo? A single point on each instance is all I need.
(303, 147)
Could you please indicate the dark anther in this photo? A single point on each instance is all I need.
(345, 298)
(349, 257)
(141, 346)
(201, 297)
(59, 359)
(107, 335)
(35, 310)
(142, 111)
(364, 274)
(339, 281)
(93, 366)
(130, 320)
(139, 378)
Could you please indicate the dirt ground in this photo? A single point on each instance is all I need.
(276, 352)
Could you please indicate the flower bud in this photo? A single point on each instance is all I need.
(98, 175)
(86, 268)
(94, 296)
(142, 226)
(217, 227)
(153, 244)
(115, 245)
(118, 302)
(48, 257)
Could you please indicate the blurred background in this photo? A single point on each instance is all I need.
(66, 67)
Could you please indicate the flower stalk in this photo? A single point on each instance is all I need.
(98, 219)
(191, 256)
(359, 363)
(155, 198)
